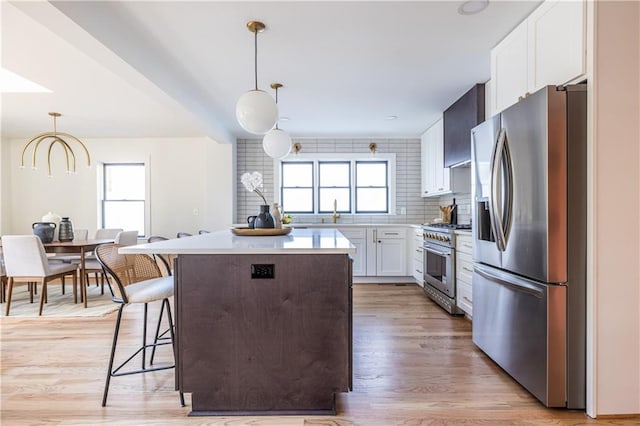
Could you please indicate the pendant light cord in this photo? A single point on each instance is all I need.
(255, 58)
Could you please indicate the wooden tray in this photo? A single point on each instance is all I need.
(260, 232)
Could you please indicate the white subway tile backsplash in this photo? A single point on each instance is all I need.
(251, 157)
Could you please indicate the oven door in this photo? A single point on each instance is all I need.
(438, 268)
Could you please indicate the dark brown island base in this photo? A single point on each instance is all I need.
(263, 324)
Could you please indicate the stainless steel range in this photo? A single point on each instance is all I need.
(440, 265)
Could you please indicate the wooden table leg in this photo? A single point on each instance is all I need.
(83, 284)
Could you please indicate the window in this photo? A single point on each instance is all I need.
(297, 186)
(318, 183)
(123, 196)
(334, 188)
(372, 188)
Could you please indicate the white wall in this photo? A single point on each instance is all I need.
(185, 174)
(614, 320)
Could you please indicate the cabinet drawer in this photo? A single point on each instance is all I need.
(418, 254)
(465, 298)
(464, 267)
(391, 233)
(464, 244)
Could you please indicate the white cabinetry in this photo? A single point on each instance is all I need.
(509, 69)
(435, 177)
(380, 251)
(386, 252)
(464, 272)
(547, 48)
(556, 43)
(358, 237)
(417, 261)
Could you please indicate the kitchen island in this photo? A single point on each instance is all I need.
(263, 323)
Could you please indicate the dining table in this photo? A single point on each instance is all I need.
(80, 247)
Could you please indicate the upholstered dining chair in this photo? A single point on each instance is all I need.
(137, 281)
(26, 262)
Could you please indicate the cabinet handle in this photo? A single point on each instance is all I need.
(467, 299)
(467, 269)
(419, 250)
(375, 236)
(440, 189)
(419, 271)
(467, 245)
(390, 233)
(523, 96)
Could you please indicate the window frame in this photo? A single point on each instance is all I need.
(350, 187)
(356, 186)
(102, 182)
(316, 158)
(280, 189)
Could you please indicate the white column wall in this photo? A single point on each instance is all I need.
(187, 175)
(614, 301)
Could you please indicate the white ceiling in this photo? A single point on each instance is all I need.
(177, 68)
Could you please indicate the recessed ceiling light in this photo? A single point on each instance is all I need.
(472, 7)
(391, 117)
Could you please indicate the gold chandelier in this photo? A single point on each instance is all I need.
(54, 138)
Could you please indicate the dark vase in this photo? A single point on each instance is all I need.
(44, 230)
(264, 219)
(65, 231)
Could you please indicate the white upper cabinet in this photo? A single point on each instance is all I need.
(435, 177)
(547, 48)
(509, 69)
(556, 43)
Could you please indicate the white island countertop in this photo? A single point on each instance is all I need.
(299, 241)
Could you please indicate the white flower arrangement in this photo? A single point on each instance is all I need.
(253, 181)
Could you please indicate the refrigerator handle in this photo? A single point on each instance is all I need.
(496, 189)
(508, 280)
(508, 193)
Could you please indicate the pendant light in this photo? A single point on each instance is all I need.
(54, 138)
(277, 143)
(256, 110)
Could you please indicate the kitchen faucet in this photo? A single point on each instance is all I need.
(336, 215)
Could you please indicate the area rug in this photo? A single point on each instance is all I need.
(60, 305)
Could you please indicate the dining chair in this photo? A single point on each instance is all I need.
(26, 262)
(164, 261)
(138, 280)
(3, 279)
(92, 266)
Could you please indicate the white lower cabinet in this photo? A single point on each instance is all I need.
(464, 272)
(417, 256)
(391, 252)
(358, 237)
(379, 251)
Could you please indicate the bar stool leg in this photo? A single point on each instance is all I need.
(113, 352)
(158, 335)
(173, 344)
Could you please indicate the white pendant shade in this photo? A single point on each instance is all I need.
(257, 112)
(277, 144)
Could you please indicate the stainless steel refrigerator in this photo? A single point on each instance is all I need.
(529, 228)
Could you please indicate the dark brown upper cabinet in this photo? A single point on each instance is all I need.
(465, 113)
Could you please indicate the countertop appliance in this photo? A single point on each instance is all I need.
(529, 204)
(440, 264)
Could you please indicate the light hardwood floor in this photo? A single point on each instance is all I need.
(413, 365)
